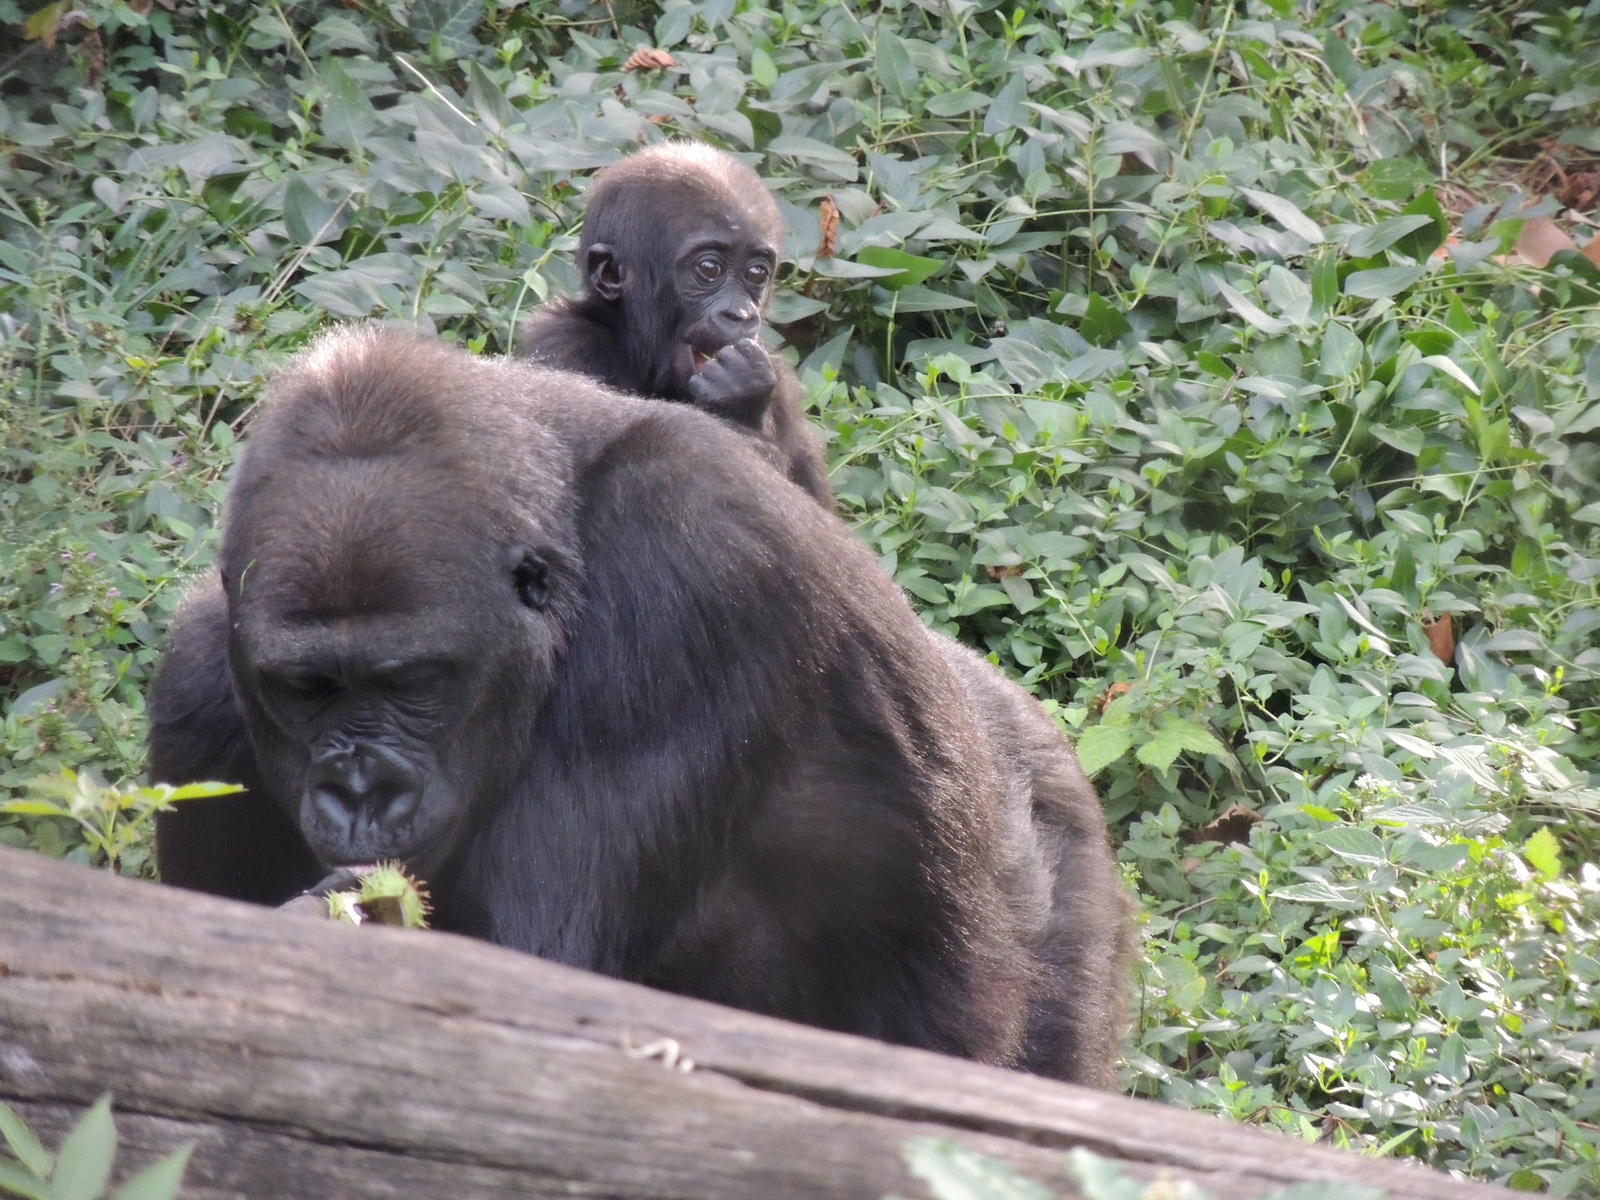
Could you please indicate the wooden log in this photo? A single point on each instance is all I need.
(311, 1059)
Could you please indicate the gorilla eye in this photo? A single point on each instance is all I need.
(306, 686)
(530, 575)
(757, 274)
(708, 270)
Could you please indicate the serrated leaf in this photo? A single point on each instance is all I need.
(83, 1164)
(1172, 738)
(23, 1143)
(160, 1180)
(1101, 745)
(1543, 853)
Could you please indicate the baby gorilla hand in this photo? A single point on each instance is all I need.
(737, 384)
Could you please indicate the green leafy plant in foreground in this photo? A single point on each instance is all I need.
(80, 1169)
(112, 824)
(955, 1172)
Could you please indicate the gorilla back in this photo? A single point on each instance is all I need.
(629, 701)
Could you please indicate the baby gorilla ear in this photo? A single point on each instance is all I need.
(530, 575)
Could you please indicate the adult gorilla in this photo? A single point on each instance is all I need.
(629, 701)
(677, 254)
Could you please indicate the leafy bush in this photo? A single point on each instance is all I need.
(81, 1168)
(1156, 357)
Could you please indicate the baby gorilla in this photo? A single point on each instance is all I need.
(677, 256)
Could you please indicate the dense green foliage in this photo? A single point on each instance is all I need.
(1143, 365)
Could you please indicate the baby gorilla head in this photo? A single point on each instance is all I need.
(681, 241)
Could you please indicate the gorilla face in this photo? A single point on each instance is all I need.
(395, 611)
(395, 721)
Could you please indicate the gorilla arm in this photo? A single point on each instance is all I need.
(242, 846)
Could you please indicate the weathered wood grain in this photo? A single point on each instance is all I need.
(316, 1060)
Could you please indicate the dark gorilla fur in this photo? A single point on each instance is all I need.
(629, 701)
(644, 311)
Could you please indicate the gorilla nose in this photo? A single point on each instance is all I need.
(362, 789)
(739, 320)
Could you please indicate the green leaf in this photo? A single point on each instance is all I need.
(1251, 311)
(23, 1144)
(1366, 242)
(1285, 213)
(1543, 853)
(895, 70)
(762, 68)
(449, 22)
(954, 1172)
(1101, 745)
(83, 1164)
(1172, 738)
(1382, 283)
(1341, 352)
(158, 1181)
(955, 104)
(911, 268)
(347, 114)
(1102, 324)
(1425, 239)
(22, 1183)
(1184, 985)
(309, 218)
(1344, 65)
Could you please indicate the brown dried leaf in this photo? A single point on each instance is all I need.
(1098, 704)
(1233, 825)
(1001, 572)
(1441, 632)
(142, 7)
(829, 221)
(1591, 249)
(648, 58)
(658, 118)
(1540, 239)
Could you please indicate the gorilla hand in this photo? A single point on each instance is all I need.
(737, 384)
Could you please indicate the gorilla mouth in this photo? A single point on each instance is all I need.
(699, 357)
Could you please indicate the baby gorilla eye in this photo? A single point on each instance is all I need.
(708, 269)
(757, 274)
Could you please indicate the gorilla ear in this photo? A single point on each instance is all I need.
(603, 272)
(530, 575)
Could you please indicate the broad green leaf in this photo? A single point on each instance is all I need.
(1184, 985)
(1442, 362)
(1381, 283)
(1172, 738)
(1101, 323)
(450, 22)
(347, 115)
(160, 1180)
(1425, 239)
(1101, 745)
(310, 219)
(83, 1163)
(955, 104)
(1366, 242)
(1250, 311)
(23, 1144)
(910, 268)
(1543, 853)
(762, 68)
(1285, 213)
(1341, 352)
(1354, 843)
(894, 67)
